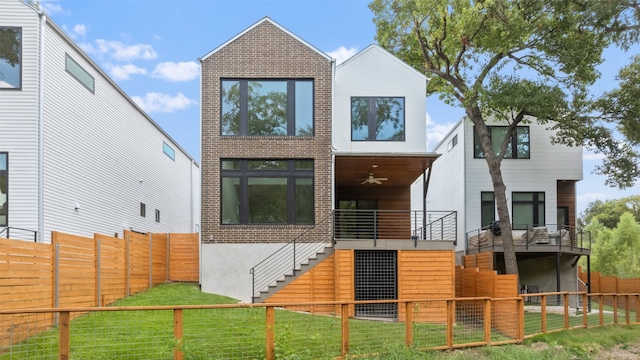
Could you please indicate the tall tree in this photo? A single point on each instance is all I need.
(514, 61)
(608, 212)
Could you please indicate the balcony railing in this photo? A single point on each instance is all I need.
(565, 238)
(19, 234)
(395, 225)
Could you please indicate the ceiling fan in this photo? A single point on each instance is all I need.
(373, 180)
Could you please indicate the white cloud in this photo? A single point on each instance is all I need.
(157, 102)
(80, 29)
(120, 51)
(51, 7)
(342, 53)
(124, 72)
(176, 72)
(436, 132)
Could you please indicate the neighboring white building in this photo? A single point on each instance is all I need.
(79, 155)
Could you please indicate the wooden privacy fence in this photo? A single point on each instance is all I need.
(80, 271)
(610, 285)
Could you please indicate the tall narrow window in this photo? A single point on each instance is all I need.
(4, 189)
(488, 207)
(517, 148)
(266, 107)
(528, 209)
(10, 57)
(168, 150)
(267, 191)
(377, 118)
(143, 210)
(79, 73)
(157, 215)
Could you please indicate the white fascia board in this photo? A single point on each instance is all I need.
(384, 51)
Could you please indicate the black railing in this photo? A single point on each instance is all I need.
(19, 234)
(391, 224)
(530, 236)
(291, 256)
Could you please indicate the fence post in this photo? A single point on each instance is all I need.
(344, 313)
(126, 265)
(64, 345)
(520, 302)
(543, 313)
(487, 321)
(615, 307)
(98, 279)
(627, 314)
(565, 299)
(585, 318)
(168, 256)
(56, 275)
(408, 322)
(451, 316)
(270, 346)
(150, 260)
(177, 333)
(601, 308)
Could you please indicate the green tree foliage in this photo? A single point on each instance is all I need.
(603, 251)
(511, 60)
(608, 212)
(616, 252)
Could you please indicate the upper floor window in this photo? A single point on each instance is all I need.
(377, 119)
(518, 147)
(10, 57)
(452, 143)
(79, 73)
(528, 209)
(4, 188)
(266, 107)
(168, 150)
(267, 191)
(487, 208)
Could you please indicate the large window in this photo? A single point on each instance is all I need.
(79, 73)
(267, 191)
(4, 188)
(487, 207)
(528, 209)
(266, 107)
(518, 147)
(10, 57)
(377, 118)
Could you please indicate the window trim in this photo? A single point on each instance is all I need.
(535, 203)
(244, 174)
(514, 143)
(372, 119)
(169, 151)
(19, 30)
(290, 105)
(6, 171)
(66, 68)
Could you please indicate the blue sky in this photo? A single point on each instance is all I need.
(151, 49)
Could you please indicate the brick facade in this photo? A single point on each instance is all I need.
(263, 52)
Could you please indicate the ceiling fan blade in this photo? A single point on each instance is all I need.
(376, 181)
(381, 179)
(364, 182)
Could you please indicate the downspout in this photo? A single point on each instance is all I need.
(43, 21)
(333, 158)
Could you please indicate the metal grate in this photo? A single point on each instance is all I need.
(376, 279)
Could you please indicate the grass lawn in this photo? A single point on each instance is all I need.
(240, 333)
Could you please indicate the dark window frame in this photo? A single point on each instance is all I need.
(485, 205)
(243, 173)
(66, 68)
(478, 153)
(535, 204)
(371, 125)
(157, 215)
(19, 30)
(290, 106)
(6, 173)
(452, 143)
(143, 209)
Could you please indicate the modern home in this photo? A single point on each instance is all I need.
(77, 155)
(307, 170)
(540, 178)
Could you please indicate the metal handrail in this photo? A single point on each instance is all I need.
(6, 233)
(291, 256)
(562, 236)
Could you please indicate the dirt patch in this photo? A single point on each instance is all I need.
(621, 351)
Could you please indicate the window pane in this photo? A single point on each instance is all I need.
(230, 200)
(389, 118)
(304, 108)
(230, 118)
(522, 142)
(79, 73)
(168, 150)
(488, 214)
(267, 200)
(304, 201)
(520, 196)
(267, 165)
(304, 165)
(497, 136)
(230, 164)
(477, 147)
(487, 196)
(522, 216)
(4, 189)
(267, 108)
(10, 58)
(540, 216)
(359, 118)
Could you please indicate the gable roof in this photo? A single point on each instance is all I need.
(374, 47)
(263, 20)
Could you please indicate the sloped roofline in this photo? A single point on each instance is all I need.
(270, 21)
(446, 137)
(384, 51)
